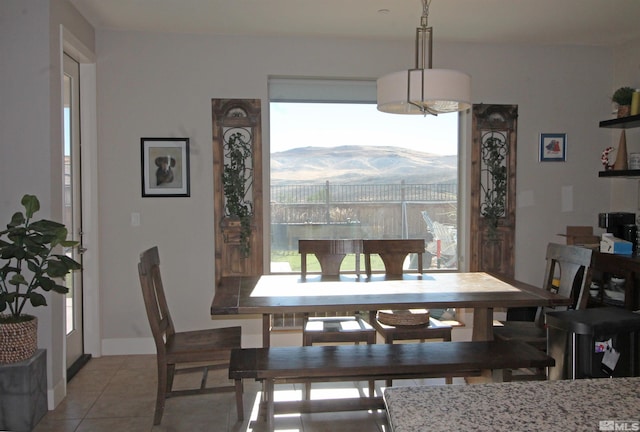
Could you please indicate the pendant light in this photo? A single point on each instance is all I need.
(424, 90)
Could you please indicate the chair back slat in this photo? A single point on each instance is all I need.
(571, 267)
(393, 253)
(330, 254)
(155, 301)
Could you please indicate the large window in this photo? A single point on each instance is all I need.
(342, 169)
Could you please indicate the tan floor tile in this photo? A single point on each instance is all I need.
(52, 425)
(90, 381)
(193, 423)
(287, 423)
(74, 406)
(211, 405)
(343, 421)
(104, 362)
(119, 406)
(139, 362)
(215, 378)
(117, 393)
(130, 424)
(135, 382)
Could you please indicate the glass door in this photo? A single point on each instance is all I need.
(72, 207)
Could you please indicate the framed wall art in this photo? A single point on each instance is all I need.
(165, 167)
(553, 147)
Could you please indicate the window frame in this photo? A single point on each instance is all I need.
(305, 90)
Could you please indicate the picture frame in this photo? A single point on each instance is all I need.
(553, 147)
(165, 167)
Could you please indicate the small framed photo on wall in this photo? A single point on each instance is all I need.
(165, 167)
(553, 147)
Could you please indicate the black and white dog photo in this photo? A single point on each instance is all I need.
(164, 173)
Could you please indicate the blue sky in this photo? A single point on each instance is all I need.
(326, 125)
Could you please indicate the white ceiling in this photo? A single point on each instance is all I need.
(557, 22)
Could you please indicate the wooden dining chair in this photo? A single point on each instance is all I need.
(393, 253)
(345, 326)
(330, 254)
(178, 352)
(567, 273)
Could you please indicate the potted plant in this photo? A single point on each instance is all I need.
(28, 266)
(622, 97)
(236, 181)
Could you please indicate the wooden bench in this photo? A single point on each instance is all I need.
(365, 362)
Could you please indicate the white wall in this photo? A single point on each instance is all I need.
(162, 85)
(31, 136)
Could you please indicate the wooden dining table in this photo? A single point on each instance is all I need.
(483, 292)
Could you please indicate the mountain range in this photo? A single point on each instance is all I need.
(361, 164)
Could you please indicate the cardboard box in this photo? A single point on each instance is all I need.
(580, 235)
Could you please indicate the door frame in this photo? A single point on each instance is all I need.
(74, 351)
(89, 164)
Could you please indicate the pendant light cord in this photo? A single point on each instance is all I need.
(425, 13)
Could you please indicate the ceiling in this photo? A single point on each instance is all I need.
(549, 22)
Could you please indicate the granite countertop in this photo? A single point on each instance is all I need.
(515, 406)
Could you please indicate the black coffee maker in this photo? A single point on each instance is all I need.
(621, 225)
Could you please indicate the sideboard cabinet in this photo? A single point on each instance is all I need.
(605, 266)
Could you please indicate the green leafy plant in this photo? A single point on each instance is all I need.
(236, 181)
(30, 265)
(623, 96)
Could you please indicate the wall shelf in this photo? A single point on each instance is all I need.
(622, 123)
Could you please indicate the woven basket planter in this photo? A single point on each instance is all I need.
(18, 341)
(402, 318)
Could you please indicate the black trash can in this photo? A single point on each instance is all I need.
(593, 343)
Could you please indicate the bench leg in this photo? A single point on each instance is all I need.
(239, 403)
(500, 375)
(263, 403)
(270, 408)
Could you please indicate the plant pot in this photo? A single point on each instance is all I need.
(19, 340)
(624, 111)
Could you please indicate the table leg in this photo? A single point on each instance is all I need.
(482, 324)
(483, 331)
(266, 330)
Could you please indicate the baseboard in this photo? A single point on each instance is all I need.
(128, 346)
(56, 394)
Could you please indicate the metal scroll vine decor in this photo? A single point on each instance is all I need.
(494, 152)
(237, 179)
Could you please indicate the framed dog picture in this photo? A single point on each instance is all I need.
(165, 167)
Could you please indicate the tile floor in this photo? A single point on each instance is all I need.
(117, 393)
